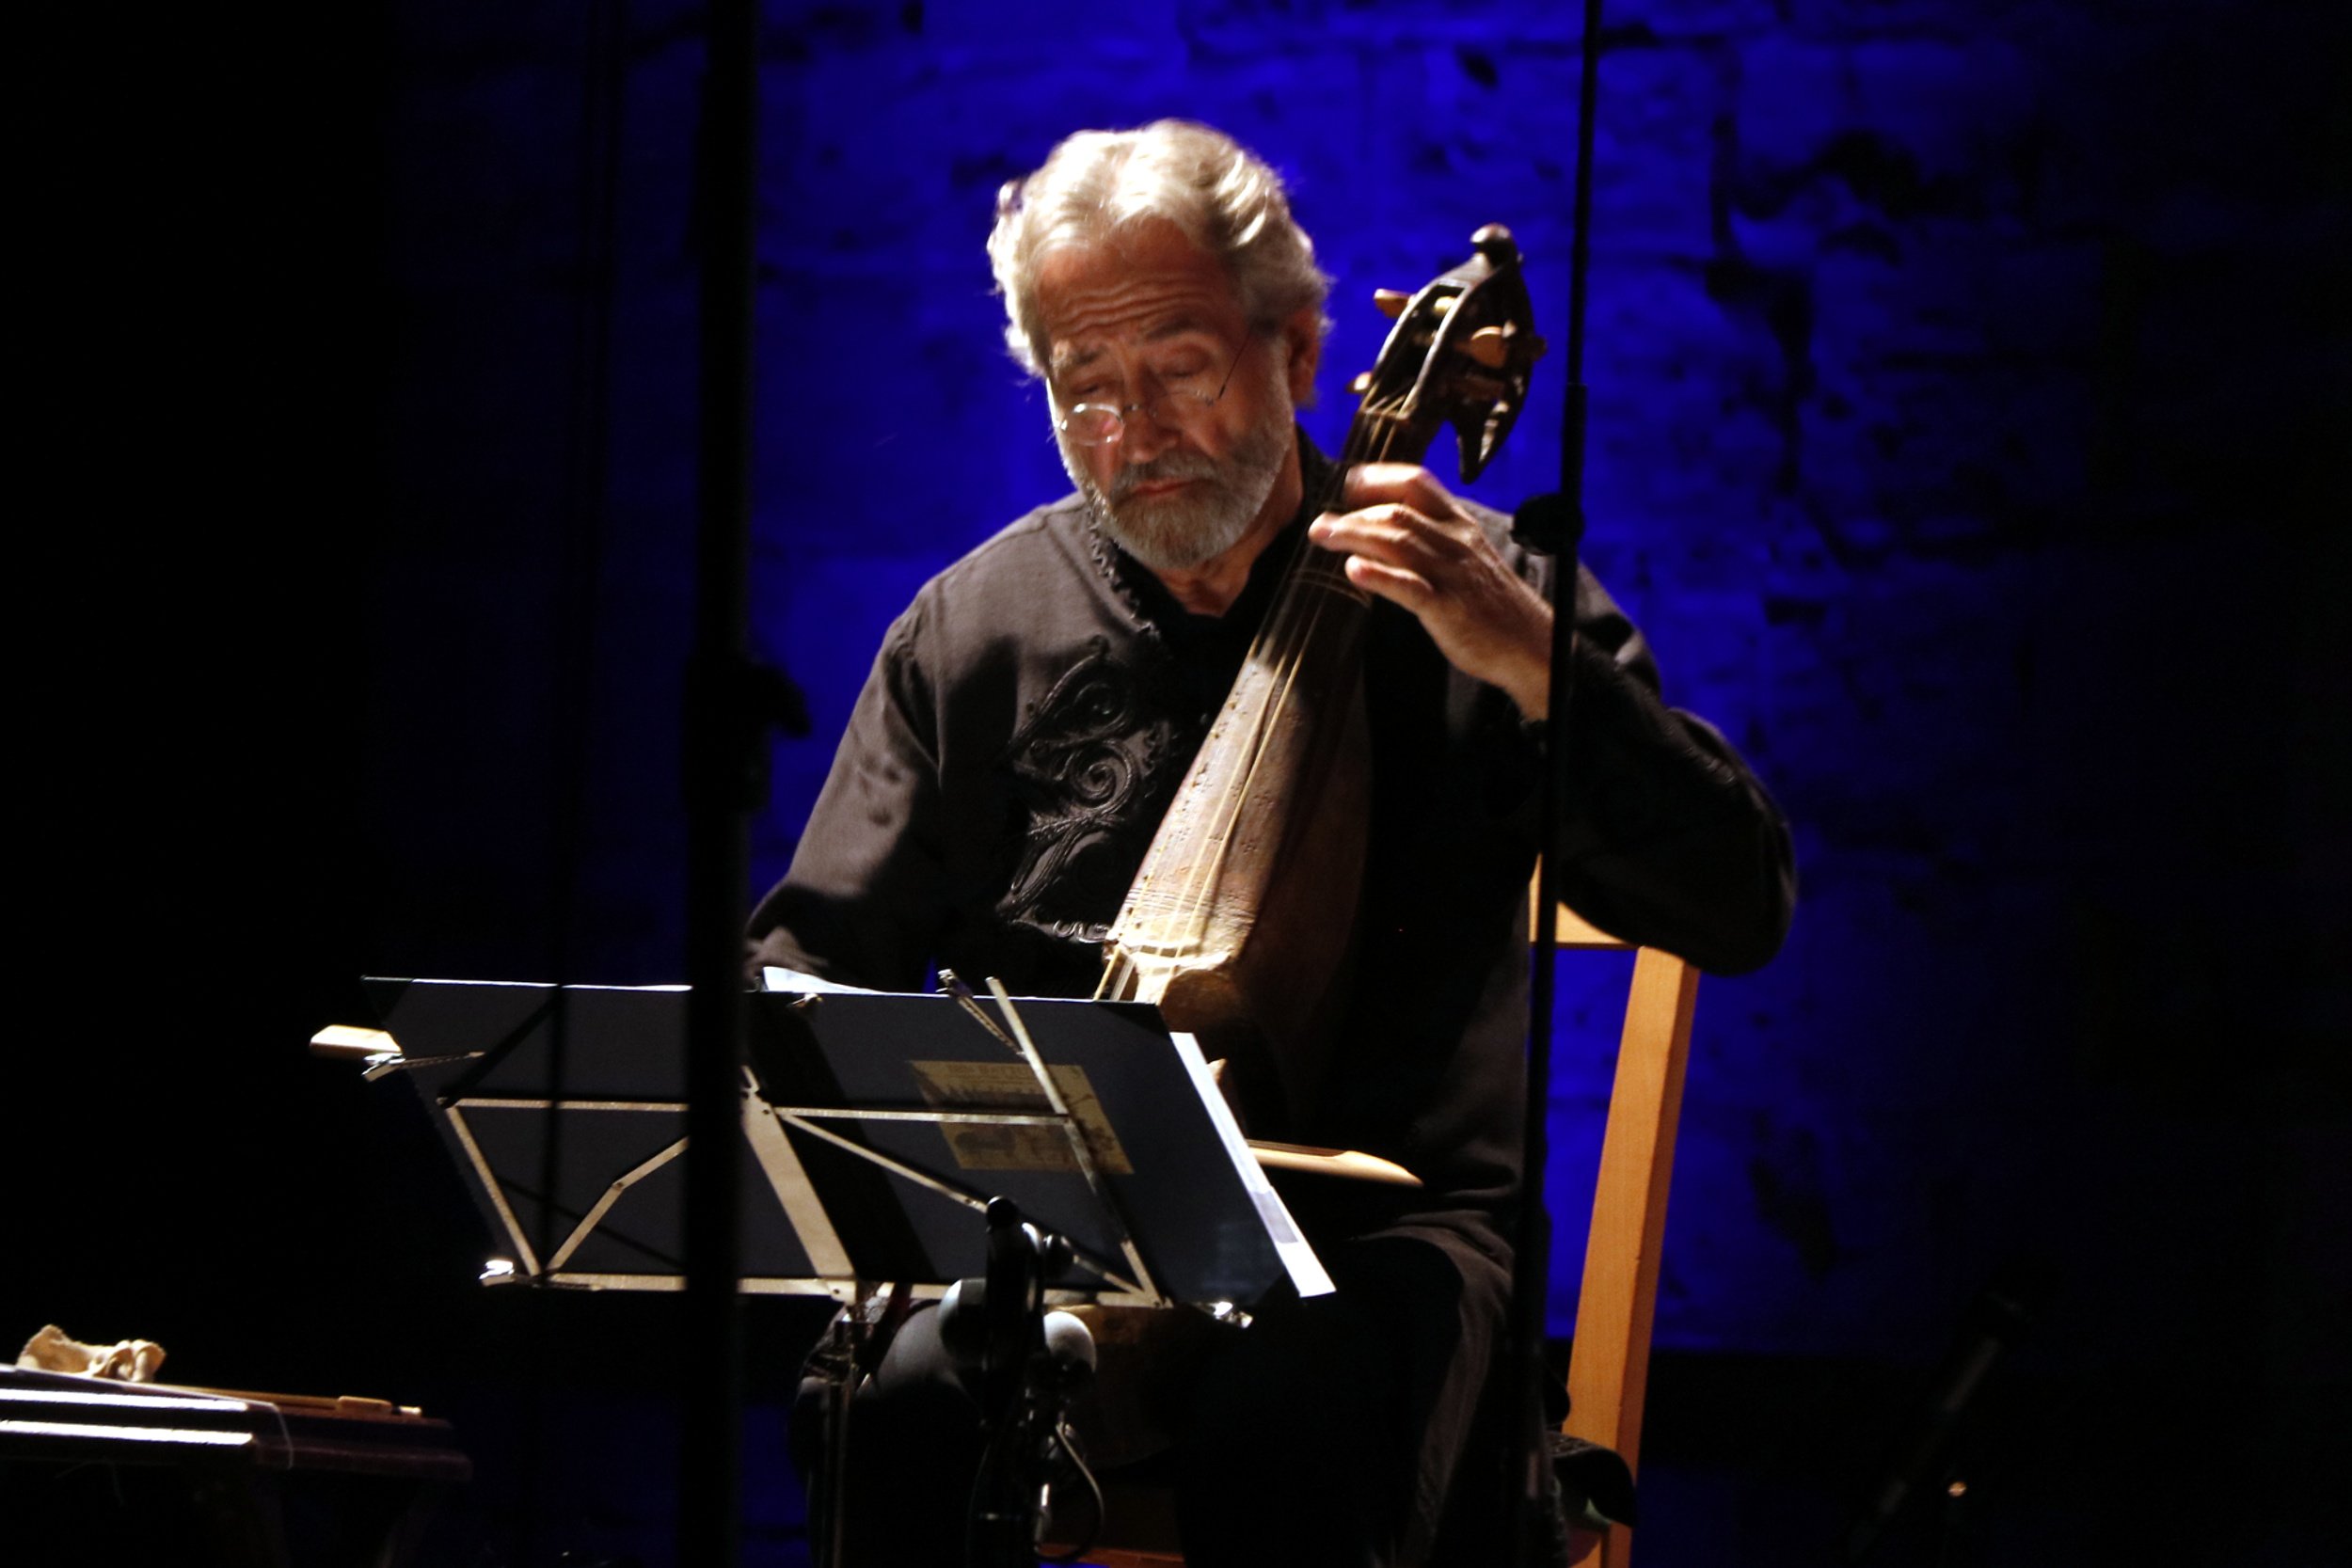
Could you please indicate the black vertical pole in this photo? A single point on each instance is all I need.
(721, 754)
(1532, 1276)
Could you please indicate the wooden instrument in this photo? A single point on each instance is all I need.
(1240, 920)
(240, 1477)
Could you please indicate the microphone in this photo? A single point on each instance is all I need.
(993, 1323)
(2001, 1313)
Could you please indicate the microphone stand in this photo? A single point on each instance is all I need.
(1027, 1379)
(1554, 524)
(730, 703)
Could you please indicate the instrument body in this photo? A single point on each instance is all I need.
(1240, 920)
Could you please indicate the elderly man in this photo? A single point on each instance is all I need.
(1026, 725)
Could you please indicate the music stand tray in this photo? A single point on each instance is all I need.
(878, 1127)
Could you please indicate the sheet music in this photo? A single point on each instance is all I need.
(778, 978)
(1306, 1270)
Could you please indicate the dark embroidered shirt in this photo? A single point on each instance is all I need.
(1030, 715)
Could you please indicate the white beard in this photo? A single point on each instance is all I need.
(1178, 532)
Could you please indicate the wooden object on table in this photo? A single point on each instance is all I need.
(228, 1464)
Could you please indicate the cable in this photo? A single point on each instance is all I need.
(1094, 1490)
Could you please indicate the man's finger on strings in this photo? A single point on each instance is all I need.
(1387, 532)
(1370, 483)
(1409, 589)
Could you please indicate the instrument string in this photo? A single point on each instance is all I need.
(1312, 583)
(1279, 647)
(1277, 644)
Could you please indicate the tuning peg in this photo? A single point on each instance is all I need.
(1489, 345)
(1392, 301)
(1361, 385)
(1494, 242)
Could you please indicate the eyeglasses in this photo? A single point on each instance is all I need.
(1175, 399)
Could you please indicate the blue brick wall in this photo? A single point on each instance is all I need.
(1969, 421)
(1935, 356)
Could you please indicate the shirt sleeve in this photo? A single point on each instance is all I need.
(1667, 838)
(864, 900)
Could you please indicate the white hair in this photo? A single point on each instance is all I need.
(1218, 194)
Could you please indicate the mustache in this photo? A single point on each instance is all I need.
(1167, 466)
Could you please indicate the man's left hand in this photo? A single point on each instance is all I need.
(1406, 540)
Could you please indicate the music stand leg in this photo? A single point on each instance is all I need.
(838, 1361)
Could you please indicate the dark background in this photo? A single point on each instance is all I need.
(1970, 423)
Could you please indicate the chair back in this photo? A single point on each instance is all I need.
(1618, 1302)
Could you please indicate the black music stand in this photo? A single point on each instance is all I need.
(879, 1129)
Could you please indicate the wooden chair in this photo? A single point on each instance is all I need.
(1609, 1362)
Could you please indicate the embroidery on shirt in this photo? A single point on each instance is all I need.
(1090, 768)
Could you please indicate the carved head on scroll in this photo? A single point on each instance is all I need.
(1461, 354)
